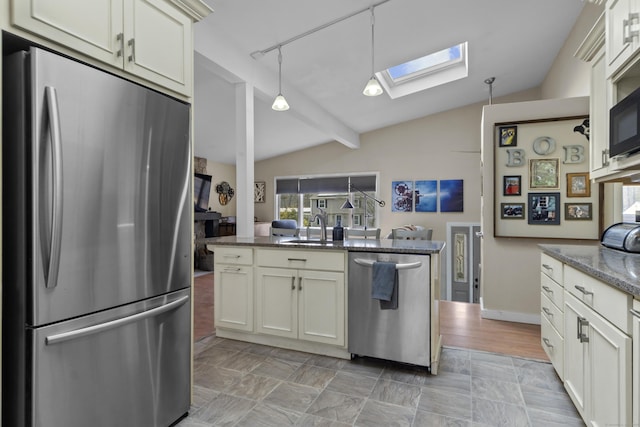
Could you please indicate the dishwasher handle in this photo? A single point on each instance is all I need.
(404, 266)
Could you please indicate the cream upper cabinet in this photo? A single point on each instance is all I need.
(599, 118)
(158, 42)
(151, 39)
(622, 32)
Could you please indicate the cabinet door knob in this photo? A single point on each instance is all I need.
(547, 342)
(293, 283)
(547, 311)
(299, 283)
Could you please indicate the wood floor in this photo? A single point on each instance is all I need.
(460, 325)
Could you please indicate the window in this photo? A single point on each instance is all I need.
(357, 220)
(428, 71)
(631, 203)
(301, 198)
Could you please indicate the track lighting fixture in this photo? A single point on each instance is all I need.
(280, 103)
(373, 87)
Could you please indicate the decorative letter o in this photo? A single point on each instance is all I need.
(544, 145)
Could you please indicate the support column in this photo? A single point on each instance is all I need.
(244, 159)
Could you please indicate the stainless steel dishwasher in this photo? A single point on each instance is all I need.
(402, 334)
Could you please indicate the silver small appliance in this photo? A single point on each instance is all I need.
(622, 236)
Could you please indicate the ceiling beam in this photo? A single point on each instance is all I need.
(237, 67)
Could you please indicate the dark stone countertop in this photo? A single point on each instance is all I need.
(420, 247)
(616, 268)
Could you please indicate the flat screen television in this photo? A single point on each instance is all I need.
(201, 191)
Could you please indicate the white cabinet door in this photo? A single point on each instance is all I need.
(159, 44)
(148, 38)
(621, 32)
(277, 301)
(596, 368)
(233, 297)
(635, 368)
(575, 354)
(609, 374)
(90, 27)
(321, 307)
(599, 118)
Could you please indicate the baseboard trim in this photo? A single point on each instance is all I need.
(508, 316)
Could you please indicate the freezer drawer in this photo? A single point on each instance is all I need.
(94, 371)
(403, 334)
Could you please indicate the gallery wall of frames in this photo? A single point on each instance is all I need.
(541, 178)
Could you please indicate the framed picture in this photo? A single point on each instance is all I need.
(511, 185)
(508, 136)
(543, 208)
(577, 211)
(512, 211)
(578, 185)
(543, 173)
(258, 191)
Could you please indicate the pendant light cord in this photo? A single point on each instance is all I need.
(373, 22)
(279, 69)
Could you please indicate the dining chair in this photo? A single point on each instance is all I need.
(361, 233)
(419, 233)
(284, 227)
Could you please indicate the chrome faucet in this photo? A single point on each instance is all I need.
(322, 217)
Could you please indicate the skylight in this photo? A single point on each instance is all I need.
(425, 72)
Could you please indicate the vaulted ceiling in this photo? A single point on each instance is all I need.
(324, 73)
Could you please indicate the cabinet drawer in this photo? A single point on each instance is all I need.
(552, 290)
(553, 345)
(609, 302)
(552, 313)
(551, 267)
(301, 259)
(233, 255)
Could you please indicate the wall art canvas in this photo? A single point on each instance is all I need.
(402, 194)
(451, 195)
(426, 195)
(543, 173)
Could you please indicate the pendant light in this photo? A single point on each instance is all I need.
(280, 104)
(373, 87)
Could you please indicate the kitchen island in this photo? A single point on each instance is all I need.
(293, 293)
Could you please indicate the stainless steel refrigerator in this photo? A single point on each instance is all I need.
(96, 248)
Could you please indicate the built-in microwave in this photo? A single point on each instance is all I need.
(624, 126)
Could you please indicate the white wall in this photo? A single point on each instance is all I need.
(511, 266)
(222, 172)
(441, 146)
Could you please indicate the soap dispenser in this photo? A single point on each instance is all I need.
(338, 231)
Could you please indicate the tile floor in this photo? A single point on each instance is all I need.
(242, 384)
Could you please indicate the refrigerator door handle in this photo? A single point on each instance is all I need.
(56, 156)
(90, 330)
